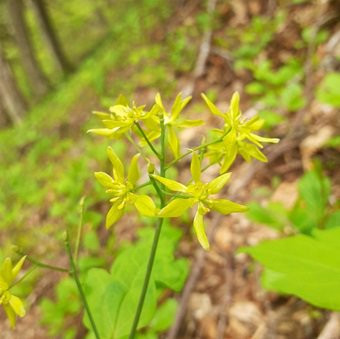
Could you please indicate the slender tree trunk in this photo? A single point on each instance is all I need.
(36, 78)
(11, 99)
(50, 35)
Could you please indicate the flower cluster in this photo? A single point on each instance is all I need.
(238, 135)
(12, 305)
(158, 129)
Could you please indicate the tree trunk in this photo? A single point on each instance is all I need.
(36, 78)
(50, 35)
(12, 101)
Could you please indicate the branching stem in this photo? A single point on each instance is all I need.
(156, 237)
(153, 149)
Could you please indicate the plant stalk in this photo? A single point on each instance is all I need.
(153, 149)
(155, 238)
(79, 287)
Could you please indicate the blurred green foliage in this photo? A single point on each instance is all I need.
(312, 209)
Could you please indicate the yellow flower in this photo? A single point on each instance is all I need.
(123, 117)
(122, 189)
(12, 305)
(173, 122)
(198, 193)
(240, 138)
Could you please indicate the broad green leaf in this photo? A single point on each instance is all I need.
(305, 266)
(314, 189)
(164, 316)
(333, 220)
(176, 207)
(273, 215)
(104, 296)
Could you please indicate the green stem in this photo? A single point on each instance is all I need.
(24, 276)
(79, 231)
(42, 264)
(154, 242)
(153, 149)
(80, 288)
(197, 149)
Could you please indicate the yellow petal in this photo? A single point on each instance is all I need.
(145, 205)
(200, 231)
(10, 315)
(195, 168)
(171, 184)
(18, 266)
(176, 207)
(17, 305)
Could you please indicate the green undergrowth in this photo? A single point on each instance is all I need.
(47, 162)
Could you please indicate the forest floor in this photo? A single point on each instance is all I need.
(223, 297)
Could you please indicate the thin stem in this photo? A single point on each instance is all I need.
(153, 149)
(79, 231)
(42, 264)
(196, 149)
(155, 239)
(24, 276)
(80, 288)
(143, 185)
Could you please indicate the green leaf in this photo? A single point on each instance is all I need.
(176, 207)
(328, 91)
(273, 215)
(145, 205)
(104, 296)
(164, 316)
(314, 189)
(333, 220)
(308, 267)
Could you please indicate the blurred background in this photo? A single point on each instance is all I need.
(61, 60)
